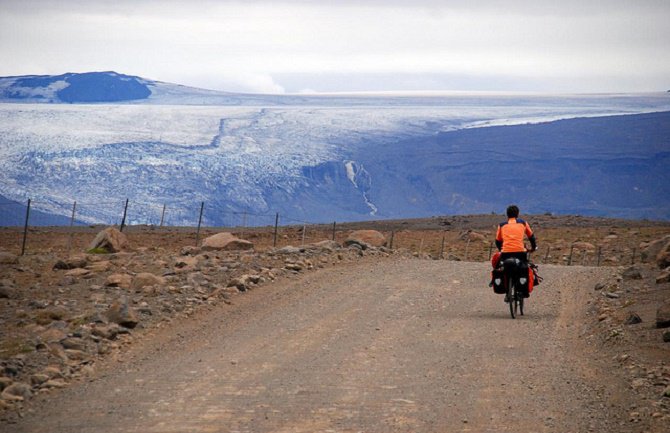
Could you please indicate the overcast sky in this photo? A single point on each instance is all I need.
(300, 45)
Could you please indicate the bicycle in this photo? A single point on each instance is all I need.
(516, 276)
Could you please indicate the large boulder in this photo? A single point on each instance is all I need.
(366, 238)
(652, 249)
(225, 241)
(110, 240)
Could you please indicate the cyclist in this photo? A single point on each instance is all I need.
(510, 236)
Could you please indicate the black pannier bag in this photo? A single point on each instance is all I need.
(498, 281)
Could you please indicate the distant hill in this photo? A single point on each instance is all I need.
(75, 88)
(13, 213)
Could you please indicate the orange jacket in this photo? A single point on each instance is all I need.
(509, 237)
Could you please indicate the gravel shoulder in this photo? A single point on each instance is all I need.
(391, 345)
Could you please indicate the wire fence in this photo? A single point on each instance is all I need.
(178, 225)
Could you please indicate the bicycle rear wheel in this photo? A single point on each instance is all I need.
(511, 295)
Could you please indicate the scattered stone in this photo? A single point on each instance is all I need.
(38, 379)
(16, 392)
(74, 262)
(664, 276)
(123, 281)
(55, 383)
(8, 258)
(7, 293)
(52, 335)
(109, 240)
(632, 273)
(190, 251)
(99, 267)
(146, 279)
(612, 295)
(5, 382)
(666, 337)
(633, 319)
(366, 238)
(584, 246)
(225, 241)
(78, 272)
(121, 313)
(663, 315)
(74, 343)
(652, 249)
(289, 250)
(326, 245)
(666, 393)
(186, 263)
(600, 286)
(663, 257)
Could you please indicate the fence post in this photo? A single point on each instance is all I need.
(125, 212)
(163, 215)
(599, 253)
(546, 256)
(632, 259)
(334, 225)
(572, 247)
(467, 247)
(584, 258)
(25, 229)
(304, 229)
(442, 247)
(274, 242)
(421, 246)
(197, 234)
(69, 242)
(490, 250)
(392, 238)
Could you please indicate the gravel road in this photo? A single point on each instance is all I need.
(380, 346)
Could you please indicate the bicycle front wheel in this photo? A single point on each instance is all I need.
(511, 295)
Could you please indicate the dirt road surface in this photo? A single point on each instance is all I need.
(385, 346)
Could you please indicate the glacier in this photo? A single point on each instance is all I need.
(322, 158)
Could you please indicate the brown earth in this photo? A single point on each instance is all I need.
(343, 339)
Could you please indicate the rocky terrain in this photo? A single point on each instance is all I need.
(79, 299)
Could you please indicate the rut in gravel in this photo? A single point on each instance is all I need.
(385, 346)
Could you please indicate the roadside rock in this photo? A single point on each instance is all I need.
(119, 280)
(366, 238)
(110, 240)
(108, 332)
(5, 382)
(145, 279)
(98, 267)
(8, 258)
(584, 246)
(7, 293)
(225, 241)
(632, 273)
(16, 392)
(633, 319)
(663, 315)
(325, 246)
(121, 313)
(666, 337)
(663, 257)
(663, 277)
(652, 249)
(78, 261)
(289, 250)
